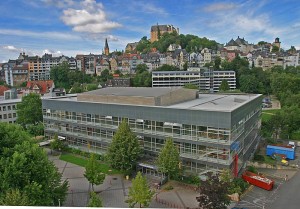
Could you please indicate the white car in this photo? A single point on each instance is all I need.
(292, 144)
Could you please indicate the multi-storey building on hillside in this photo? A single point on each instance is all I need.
(211, 131)
(205, 79)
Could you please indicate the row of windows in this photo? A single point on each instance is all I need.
(9, 115)
(7, 108)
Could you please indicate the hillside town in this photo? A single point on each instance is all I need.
(263, 54)
(170, 121)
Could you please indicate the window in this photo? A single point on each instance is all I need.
(14, 115)
(9, 115)
(0, 117)
(4, 108)
(9, 107)
(4, 116)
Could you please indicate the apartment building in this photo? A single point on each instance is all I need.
(207, 80)
(8, 106)
(211, 131)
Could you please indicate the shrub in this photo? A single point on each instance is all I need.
(169, 187)
(259, 158)
(240, 183)
(252, 169)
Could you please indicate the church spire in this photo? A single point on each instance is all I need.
(106, 48)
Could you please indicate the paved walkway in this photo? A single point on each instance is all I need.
(114, 190)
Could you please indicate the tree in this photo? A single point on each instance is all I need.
(10, 136)
(168, 161)
(190, 86)
(36, 130)
(213, 193)
(275, 48)
(25, 166)
(217, 63)
(94, 201)
(224, 86)
(14, 197)
(140, 192)
(93, 172)
(29, 111)
(124, 150)
(56, 144)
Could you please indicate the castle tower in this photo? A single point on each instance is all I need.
(277, 42)
(106, 48)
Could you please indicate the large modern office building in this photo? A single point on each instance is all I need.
(210, 130)
(205, 79)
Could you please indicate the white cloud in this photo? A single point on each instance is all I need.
(90, 18)
(53, 52)
(12, 48)
(215, 7)
(47, 35)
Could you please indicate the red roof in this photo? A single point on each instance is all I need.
(3, 89)
(43, 86)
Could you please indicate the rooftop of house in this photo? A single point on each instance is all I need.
(44, 86)
(3, 89)
(162, 27)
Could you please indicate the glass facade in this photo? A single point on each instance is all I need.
(207, 141)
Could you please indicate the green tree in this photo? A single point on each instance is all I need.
(140, 192)
(60, 74)
(56, 144)
(275, 48)
(93, 172)
(213, 193)
(190, 86)
(166, 67)
(168, 160)
(142, 77)
(13, 197)
(29, 111)
(105, 75)
(217, 63)
(224, 86)
(124, 150)
(249, 84)
(94, 201)
(26, 167)
(10, 136)
(36, 129)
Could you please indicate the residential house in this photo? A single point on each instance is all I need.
(40, 87)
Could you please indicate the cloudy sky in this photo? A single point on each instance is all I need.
(73, 27)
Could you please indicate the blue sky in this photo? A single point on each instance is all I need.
(73, 27)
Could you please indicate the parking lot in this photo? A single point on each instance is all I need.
(257, 198)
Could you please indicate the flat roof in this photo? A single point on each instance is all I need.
(10, 101)
(216, 102)
(133, 91)
(207, 102)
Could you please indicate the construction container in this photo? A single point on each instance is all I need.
(289, 152)
(258, 180)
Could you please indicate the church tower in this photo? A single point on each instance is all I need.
(106, 48)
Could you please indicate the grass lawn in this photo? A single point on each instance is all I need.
(267, 114)
(269, 160)
(83, 161)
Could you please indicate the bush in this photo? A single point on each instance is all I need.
(238, 186)
(169, 187)
(252, 169)
(259, 158)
